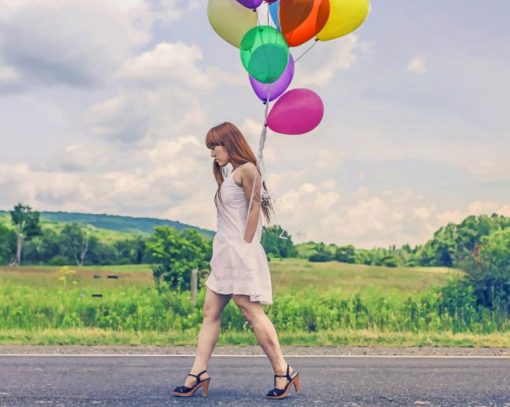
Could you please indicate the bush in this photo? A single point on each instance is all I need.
(389, 261)
(320, 257)
(60, 261)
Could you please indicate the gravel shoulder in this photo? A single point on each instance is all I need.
(252, 350)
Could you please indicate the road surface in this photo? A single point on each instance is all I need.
(147, 380)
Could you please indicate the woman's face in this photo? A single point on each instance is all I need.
(220, 155)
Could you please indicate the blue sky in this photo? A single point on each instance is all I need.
(104, 108)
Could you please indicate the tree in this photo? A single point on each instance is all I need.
(7, 244)
(322, 254)
(489, 274)
(101, 252)
(345, 254)
(76, 240)
(131, 251)
(176, 254)
(277, 242)
(27, 226)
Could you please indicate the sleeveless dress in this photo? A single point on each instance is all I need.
(238, 267)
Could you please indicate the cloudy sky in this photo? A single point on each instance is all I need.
(104, 107)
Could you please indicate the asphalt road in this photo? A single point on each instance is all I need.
(243, 381)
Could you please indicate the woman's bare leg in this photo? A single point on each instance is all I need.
(266, 335)
(214, 304)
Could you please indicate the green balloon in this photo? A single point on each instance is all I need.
(264, 53)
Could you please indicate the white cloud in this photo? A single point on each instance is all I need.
(8, 75)
(472, 156)
(417, 66)
(327, 200)
(168, 62)
(172, 10)
(318, 67)
(51, 189)
(126, 136)
(81, 43)
(321, 212)
(139, 114)
(54, 41)
(197, 209)
(330, 158)
(81, 157)
(277, 181)
(159, 179)
(422, 212)
(473, 208)
(450, 216)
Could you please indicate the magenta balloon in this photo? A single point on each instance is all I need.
(297, 111)
(253, 4)
(277, 87)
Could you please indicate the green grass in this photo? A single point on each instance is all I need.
(297, 275)
(94, 336)
(48, 277)
(315, 304)
(289, 276)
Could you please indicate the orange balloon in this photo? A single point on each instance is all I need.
(301, 20)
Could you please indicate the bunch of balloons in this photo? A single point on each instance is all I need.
(265, 52)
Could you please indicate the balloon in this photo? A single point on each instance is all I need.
(230, 20)
(264, 53)
(301, 20)
(297, 111)
(253, 4)
(273, 10)
(345, 16)
(276, 88)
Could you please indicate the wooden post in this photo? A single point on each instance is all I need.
(194, 284)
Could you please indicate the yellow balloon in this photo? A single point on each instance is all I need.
(344, 17)
(230, 20)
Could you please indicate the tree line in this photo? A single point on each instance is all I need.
(27, 241)
(450, 246)
(479, 245)
(75, 243)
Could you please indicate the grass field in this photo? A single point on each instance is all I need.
(54, 305)
(289, 276)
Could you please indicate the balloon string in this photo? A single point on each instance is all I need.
(260, 155)
(306, 51)
(263, 134)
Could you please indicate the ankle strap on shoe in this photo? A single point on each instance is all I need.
(197, 375)
(287, 375)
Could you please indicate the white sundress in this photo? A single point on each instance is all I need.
(238, 267)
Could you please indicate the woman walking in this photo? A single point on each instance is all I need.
(239, 268)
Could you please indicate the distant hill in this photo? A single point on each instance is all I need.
(115, 222)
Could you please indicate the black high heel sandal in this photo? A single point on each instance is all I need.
(185, 391)
(282, 393)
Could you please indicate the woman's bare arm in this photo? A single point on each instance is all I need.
(249, 177)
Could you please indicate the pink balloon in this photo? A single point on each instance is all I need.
(297, 111)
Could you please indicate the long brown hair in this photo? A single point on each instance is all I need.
(239, 151)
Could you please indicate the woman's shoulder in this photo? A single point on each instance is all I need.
(248, 167)
(247, 171)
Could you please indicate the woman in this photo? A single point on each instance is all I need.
(239, 268)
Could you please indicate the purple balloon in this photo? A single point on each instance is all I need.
(253, 4)
(277, 87)
(297, 111)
